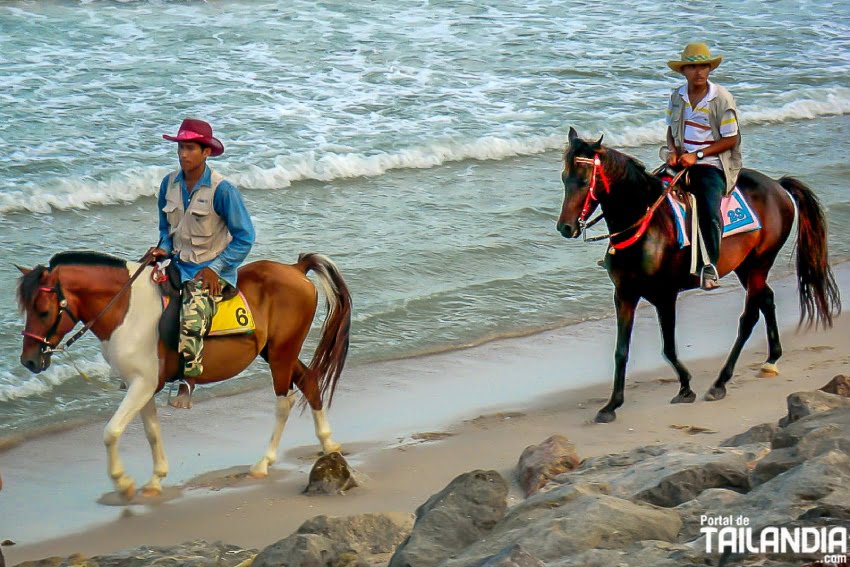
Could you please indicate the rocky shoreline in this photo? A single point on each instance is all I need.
(656, 505)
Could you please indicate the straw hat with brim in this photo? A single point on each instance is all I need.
(200, 132)
(695, 54)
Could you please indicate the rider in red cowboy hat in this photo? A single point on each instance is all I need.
(206, 228)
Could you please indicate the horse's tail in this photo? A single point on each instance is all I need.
(329, 358)
(820, 298)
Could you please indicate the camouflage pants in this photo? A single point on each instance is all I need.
(196, 313)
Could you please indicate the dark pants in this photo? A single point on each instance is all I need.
(707, 183)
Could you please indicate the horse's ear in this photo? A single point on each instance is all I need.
(573, 135)
(23, 270)
(597, 145)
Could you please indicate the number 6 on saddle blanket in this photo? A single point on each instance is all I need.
(121, 305)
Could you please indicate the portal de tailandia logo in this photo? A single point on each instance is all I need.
(734, 534)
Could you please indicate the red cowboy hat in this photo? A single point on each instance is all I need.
(193, 130)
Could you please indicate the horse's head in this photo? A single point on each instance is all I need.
(582, 171)
(47, 317)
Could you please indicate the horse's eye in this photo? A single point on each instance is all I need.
(43, 314)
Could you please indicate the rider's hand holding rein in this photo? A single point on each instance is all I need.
(688, 159)
(209, 281)
(155, 253)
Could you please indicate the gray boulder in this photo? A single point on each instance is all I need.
(512, 556)
(198, 553)
(713, 502)
(540, 463)
(457, 516)
(331, 474)
(818, 486)
(808, 437)
(802, 404)
(839, 385)
(666, 475)
(569, 520)
(324, 541)
(758, 434)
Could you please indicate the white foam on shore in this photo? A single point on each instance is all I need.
(65, 194)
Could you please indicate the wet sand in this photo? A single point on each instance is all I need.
(409, 426)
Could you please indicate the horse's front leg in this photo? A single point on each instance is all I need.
(666, 308)
(625, 321)
(160, 463)
(139, 393)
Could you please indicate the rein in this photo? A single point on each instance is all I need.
(641, 224)
(63, 309)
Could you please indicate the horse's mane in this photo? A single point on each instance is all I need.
(618, 166)
(28, 284)
(86, 258)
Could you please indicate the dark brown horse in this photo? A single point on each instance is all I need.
(77, 286)
(649, 263)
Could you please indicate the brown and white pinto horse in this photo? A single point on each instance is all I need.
(76, 286)
(646, 260)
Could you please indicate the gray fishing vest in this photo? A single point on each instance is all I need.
(730, 159)
(198, 233)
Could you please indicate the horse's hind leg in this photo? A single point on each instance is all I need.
(756, 282)
(160, 464)
(666, 309)
(282, 362)
(306, 382)
(139, 393)
(774, 348)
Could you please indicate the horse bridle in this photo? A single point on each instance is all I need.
(46, 347)
(641, 224)
(63, 308)
(591, 198)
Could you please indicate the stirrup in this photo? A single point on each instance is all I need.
(709, 278)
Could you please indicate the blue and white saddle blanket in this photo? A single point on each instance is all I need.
(737, 214)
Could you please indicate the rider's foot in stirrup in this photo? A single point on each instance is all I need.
(709, 278)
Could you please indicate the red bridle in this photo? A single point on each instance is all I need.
(599, 172)
(46, 347)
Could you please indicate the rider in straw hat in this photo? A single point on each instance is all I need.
(205, 226)
(703, 135)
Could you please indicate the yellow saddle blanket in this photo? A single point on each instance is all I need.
(233, 317)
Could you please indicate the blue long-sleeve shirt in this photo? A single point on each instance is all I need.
(228, 204)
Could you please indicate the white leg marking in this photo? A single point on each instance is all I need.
(323, 432)
(284, 406)
(138, 394)
(160, 463)
(132, 352)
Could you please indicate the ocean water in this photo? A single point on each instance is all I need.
(416, 143)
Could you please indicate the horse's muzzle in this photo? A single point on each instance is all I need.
(568, 231)
(37, 363)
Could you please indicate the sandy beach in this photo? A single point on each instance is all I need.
(409, 426)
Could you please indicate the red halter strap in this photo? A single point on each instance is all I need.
(599, 172)
(63, 309)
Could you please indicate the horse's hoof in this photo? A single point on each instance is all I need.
(768, 370)
(332, 448)
(688, 398)
(715, 394)
(258, 471)
(151, 492)
(128, 492)
(605, 417)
